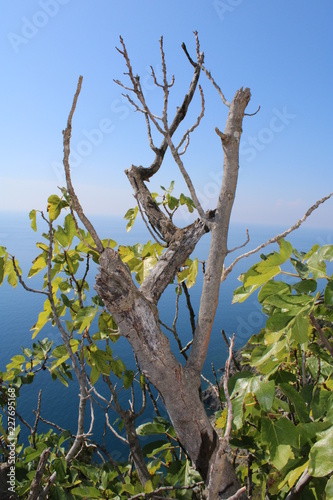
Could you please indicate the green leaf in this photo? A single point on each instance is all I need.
(242, 293)
(2, 269)
(296, 399)
(128, 378)
(305, 286)
(299, 329)
(152, 449)
(32, 217)
(66, 234)
(31, 454)
(43, 318)
(100, 359)
(130, 216)
(192, 273)
(278, 322)
(11, 273)
(62, 354)
(260, 275)
(39, 263)
(273, 288)
(118, 367)
(302, 269)
(326, 252)
(173, 202)
(87, 492)
(55, 205)
(328, 296)
(170, 188)
(149, 485)
(94, 374)
(321, 455)
(279, 436)
(84, 317)
(60, 466)
(16, 362)
(152, 428)
(186, 200)
(329, 489)
(266, 394)
(317, 266)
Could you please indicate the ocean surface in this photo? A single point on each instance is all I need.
(19, 309)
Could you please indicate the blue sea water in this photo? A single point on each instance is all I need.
(19, 309)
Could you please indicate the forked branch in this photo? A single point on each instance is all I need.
(277, 237)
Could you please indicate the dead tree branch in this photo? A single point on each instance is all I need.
(277, 237)
(226, 391)
(67, 133)
(37, 480)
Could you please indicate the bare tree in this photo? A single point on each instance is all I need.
(136, 310)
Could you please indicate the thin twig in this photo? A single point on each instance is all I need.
(19, 277)
(226, 391)
(243, 245)
(166, 488)
(186, 136)
(67, 133)
(147, 225)
(186, 348)
(253, 114)
(36, 482)
(277, 237)
(211, 385)
(189, 306)
(238, 493)
(301, 483)
(34, 429)
(209, 76)
(321, 334)
(185, 175)
(239, 368)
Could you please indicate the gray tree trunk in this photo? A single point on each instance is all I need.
(136, 313)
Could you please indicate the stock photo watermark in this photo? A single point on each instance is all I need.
(31, 26)
(250, 146)
(94, 138)
(11, 436)
(223, 8)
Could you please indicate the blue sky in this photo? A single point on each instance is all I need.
(281, 50)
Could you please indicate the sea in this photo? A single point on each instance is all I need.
(19, 310)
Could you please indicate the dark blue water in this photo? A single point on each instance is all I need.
(19, 309)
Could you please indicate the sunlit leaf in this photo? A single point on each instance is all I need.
(64, 235)
(328, 296)
(32, 217)
(321, 455)
(192, 273)
(55, 205)
(299, 329)
(39, 263)
(85, 317)
(279, 436)
(131, 216)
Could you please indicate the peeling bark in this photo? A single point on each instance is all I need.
(136, 313)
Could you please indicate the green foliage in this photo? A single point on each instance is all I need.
(87, 332)
(282, 402)
(283, 405)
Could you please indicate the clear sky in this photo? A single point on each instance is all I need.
(281, 50)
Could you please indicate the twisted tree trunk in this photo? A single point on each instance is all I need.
(137, 317)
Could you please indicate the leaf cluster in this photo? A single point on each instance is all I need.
(283, 399)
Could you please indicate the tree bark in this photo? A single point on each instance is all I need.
(137, 317)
